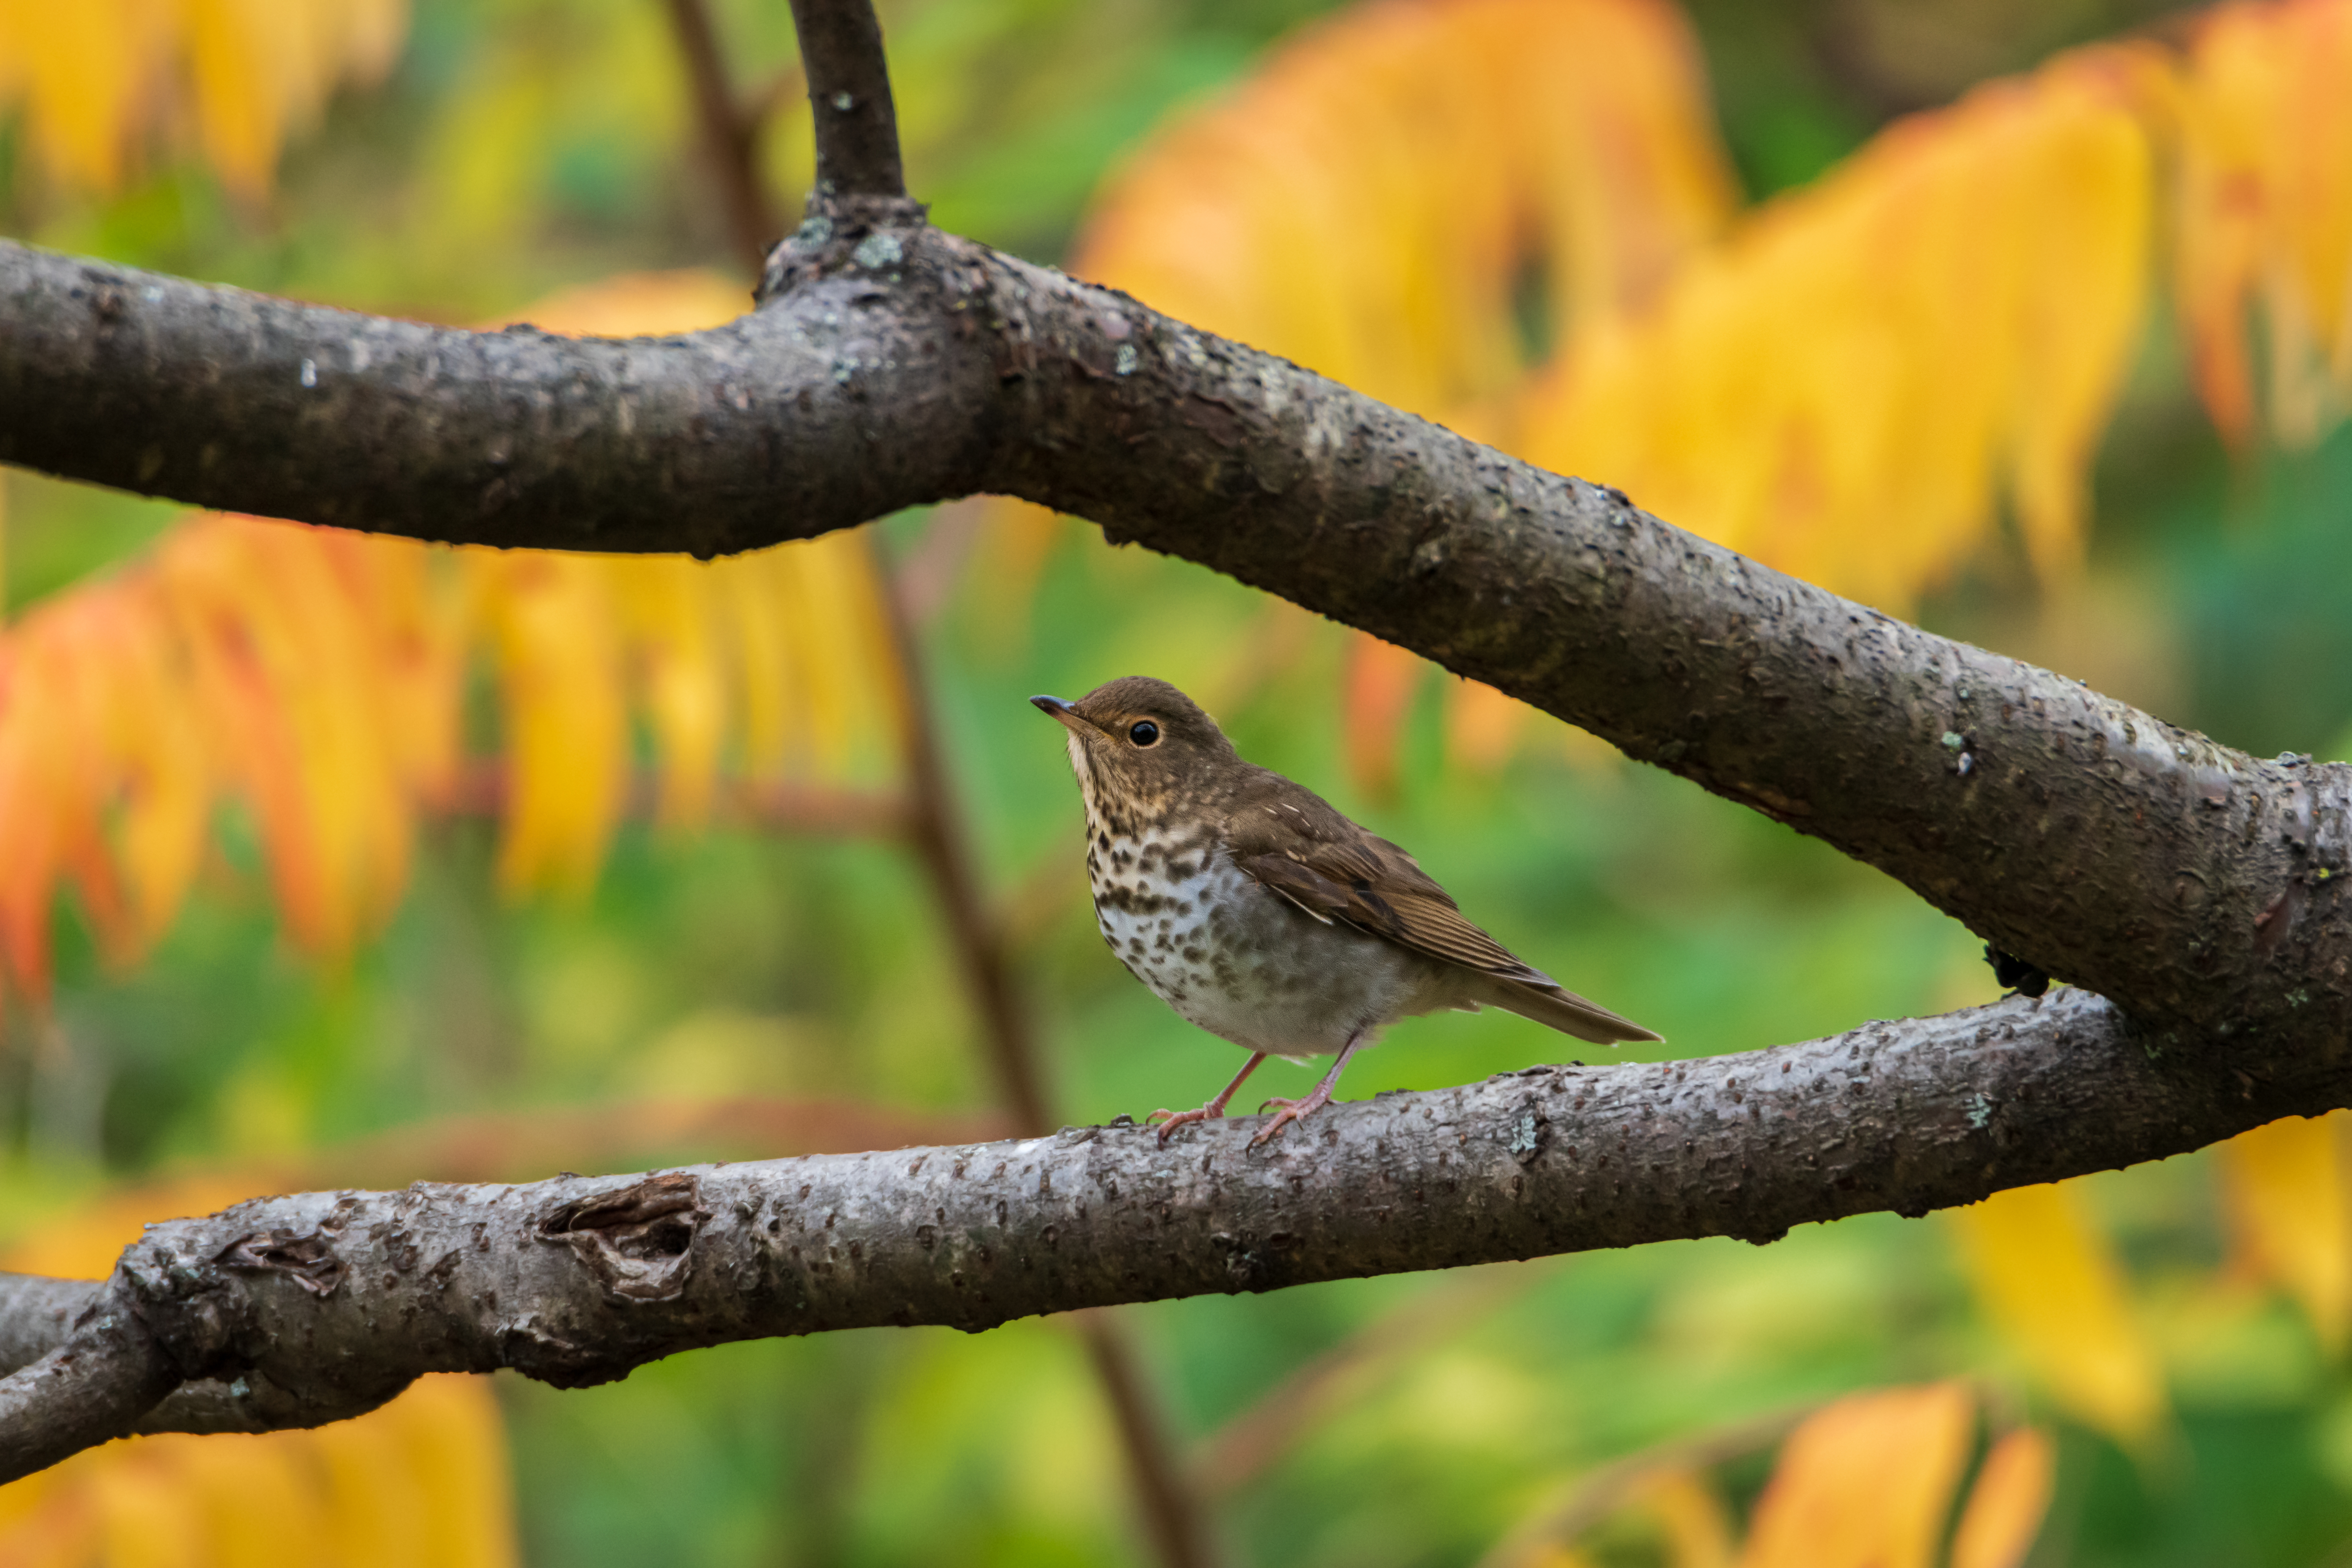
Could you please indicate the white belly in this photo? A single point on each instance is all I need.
(1244, 963)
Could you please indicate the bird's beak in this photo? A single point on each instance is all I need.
(1071, 719)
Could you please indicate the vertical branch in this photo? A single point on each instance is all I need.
(858, 154)
(935, 827)
(1171, 1511)
(849, 94)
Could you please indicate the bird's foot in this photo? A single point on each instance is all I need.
(1292, 1110)
(1175, 1119)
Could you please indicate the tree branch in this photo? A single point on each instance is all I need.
(105, 1374)
(895, 365)
(849, 94)
(330, 1301)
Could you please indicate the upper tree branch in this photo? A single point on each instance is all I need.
(322, 1304)
(895, 365)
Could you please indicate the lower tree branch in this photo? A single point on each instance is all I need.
(37, 1315)
(333, 1299)
(107, 1373)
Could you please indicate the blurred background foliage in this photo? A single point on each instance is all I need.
(451, 865)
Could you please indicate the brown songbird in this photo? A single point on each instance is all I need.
(1256, 910)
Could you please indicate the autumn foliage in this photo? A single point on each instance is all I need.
(1870, 382)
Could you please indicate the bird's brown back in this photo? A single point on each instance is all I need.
(1292, 841)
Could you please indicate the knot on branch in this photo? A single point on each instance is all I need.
(844, 232)
(309, 1260)
(637, 1241)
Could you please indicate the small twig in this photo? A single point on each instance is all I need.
(1172, 1514)
(821, 810)
(849, 93)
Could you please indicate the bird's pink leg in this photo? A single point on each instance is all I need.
(1214, 1108)
(1299, 1110)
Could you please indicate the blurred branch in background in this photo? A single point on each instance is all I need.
(858, 142)
(1255, 1441)
(1586, 1500)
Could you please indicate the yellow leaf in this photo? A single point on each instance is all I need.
(1482, 725)
(1842, 388)
(2284, 1185)
(667, 607)
(2265, 211)
(99, 75)
(1690, 1513)
(1864, 1483)
(292, 681)
(558, 654)
(1366, 202)
(316, 677)
(2005, 1507)
(2048, 1281)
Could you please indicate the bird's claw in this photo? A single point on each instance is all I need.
(1292, 1110)
(1176, 1119)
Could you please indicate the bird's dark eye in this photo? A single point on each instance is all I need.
(1143, 732)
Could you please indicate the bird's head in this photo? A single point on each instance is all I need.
(1139, 745)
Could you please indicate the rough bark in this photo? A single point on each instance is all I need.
(327, 1302)
(893, 364)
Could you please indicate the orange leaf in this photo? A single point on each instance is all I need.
(2005, 1508)
(1482, 725)
(1864, 1483)
(1366, 203)
(316, 676)
(1381, 680)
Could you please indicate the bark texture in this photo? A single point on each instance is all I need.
(313, 1307)
(895, 365)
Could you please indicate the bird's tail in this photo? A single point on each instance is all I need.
(1562, 1010)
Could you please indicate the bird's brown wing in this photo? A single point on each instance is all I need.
(1297, 845)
